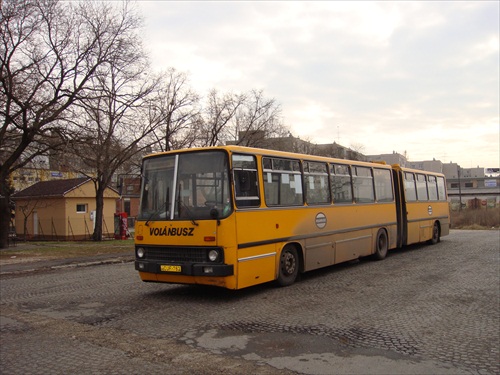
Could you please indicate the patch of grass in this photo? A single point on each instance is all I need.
(63, 249)
(476, 219)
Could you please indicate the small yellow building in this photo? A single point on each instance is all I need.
(62, 210)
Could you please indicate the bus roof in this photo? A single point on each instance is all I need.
(268, 152)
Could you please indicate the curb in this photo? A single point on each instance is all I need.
(23, 268)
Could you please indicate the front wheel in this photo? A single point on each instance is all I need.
(289, 266)
(381, 245)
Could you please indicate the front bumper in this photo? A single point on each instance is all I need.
(187, 269)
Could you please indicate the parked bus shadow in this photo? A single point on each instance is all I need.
(201, 293)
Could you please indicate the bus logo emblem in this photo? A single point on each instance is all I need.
(321, 220)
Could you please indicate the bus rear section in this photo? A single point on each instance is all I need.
(423, 209)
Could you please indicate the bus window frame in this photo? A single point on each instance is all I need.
(284, 178)
(429, 186)
(414, 187)
(316, 173)
(420, 189)
(347, 177)
(383, 181)
(442, 192)
(358, 197)
(241, 200)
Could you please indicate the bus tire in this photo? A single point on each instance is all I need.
(381, 245)
(436, 234)
(289, 266)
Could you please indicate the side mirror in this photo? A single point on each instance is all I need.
(214, 213)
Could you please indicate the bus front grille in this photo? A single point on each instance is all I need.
(178, 254)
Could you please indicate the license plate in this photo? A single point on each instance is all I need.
(165, 268)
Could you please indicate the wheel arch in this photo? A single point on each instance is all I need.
(376, 254)
(300, 252)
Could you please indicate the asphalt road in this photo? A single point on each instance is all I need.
(423, 310)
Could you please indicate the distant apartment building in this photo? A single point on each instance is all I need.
(472, 187)
(25, 177)
(295, 144)
(427, 165)
(394, 158)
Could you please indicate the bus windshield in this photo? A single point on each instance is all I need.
(186, 186)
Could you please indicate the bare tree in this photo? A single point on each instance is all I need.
(49, 51)
(220, 110)
(256, 120)
(357, 147)
(174, 111)
(246, 119)
(111, 122)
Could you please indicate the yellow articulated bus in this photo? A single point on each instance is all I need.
(235, 217)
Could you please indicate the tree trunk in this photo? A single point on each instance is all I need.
(99, 212)
(4, 220)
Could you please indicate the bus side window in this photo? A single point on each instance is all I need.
(245, 181)
(316, 177)
(432, 185)
(362, 182)
(422, 187)
(282, 182)
(411, 192)
(341, 183)
(441, 188)
(383, 185)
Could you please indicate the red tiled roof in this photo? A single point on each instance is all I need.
(54, 188)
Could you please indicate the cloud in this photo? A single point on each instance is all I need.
(415, 76)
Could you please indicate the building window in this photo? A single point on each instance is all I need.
(81, 208)
(469, 184)
(454, 185)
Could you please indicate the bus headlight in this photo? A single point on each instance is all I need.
(213, 255)
(140, 252)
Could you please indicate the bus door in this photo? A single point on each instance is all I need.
(413, 211)
(401, 211)
(255, 253)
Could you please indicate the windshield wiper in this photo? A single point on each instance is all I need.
(164, 207)
(181, 203)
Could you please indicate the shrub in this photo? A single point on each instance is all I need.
(476, 219)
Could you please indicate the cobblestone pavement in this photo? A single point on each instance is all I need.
(423, 310)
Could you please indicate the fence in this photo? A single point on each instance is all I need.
(70, 229)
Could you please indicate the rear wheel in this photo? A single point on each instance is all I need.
(381, 245)
(436, 234)
(289, 266)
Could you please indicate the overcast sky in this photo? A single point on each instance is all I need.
(420, 77)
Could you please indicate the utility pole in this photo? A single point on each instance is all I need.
(459, 189)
